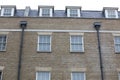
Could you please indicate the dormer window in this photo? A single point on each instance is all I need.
(7, 10)
(111, 12)
(73, 11)
(46, 11)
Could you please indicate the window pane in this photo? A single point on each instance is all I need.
(77, 48)
(7, 11)
(117, 44)
(2, 43)
(45, 12)
(2, 39)
(76, 39)
(44, 39)
(3, 46)
(73, 12)
(76, 43)
(117, 40)
(111, 13)
(44, 43)
(78, 76)
(117, 47)
(44, 47)
(43, 75)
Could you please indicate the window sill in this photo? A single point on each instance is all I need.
(3, 51)
(43, 51)
(77, 52)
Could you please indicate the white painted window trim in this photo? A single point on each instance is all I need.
(12, 12)
(78, 13)
(44, 34)
(79, 72)
(40, 12)
(51, 12)
(43, 71)
(106, 14)
(116, 13)
(68, 12)
(115, 44)
(2, 12)
(78, 34)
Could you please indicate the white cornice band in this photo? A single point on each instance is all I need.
(43, 30)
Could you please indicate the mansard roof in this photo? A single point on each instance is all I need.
(62, 13)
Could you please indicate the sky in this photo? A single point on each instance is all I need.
(60, 4)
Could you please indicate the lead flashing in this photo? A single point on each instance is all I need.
(8, 6)
(45, 6)
(110, 8)
(73, 7)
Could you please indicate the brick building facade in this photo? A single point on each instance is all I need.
(59, 44)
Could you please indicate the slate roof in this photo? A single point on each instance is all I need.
(61, 13)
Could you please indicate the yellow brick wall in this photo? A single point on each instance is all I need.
(60, 61)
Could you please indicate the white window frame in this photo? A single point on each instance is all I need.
(50, 14)
(78, 72)
(69, 14)
(107, 14)
(12, 12)
(82, 42)
(44, 34)
(4, 43)
(43, 71)
(116, 43)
